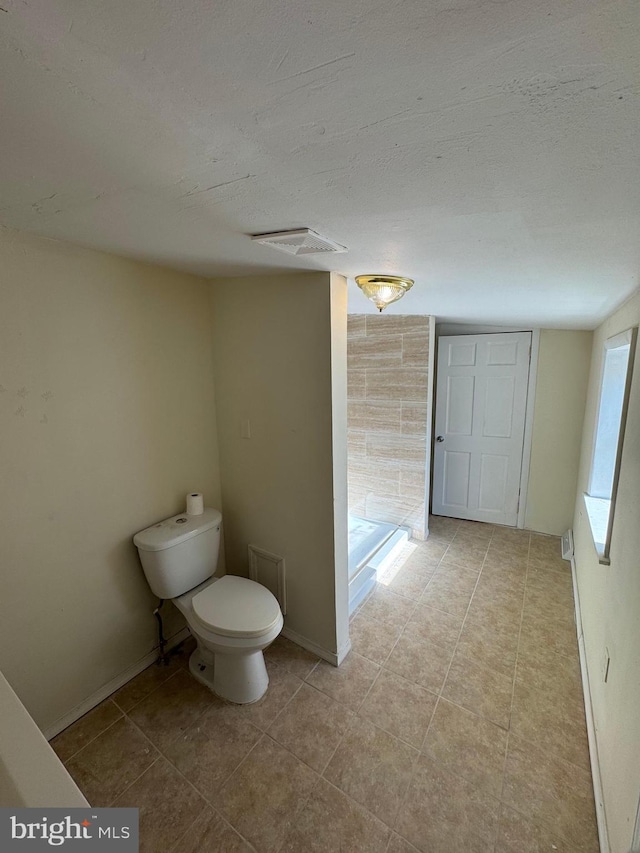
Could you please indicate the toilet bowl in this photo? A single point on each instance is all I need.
(232, 619)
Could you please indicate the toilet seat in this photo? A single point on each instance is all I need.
(236, 607)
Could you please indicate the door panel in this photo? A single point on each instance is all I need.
(481, 396)
(462, 355)
(460, 405)
(500, 353)
(498, 407)
(457, 471)
(493, 482)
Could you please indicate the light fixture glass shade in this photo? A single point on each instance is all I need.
(382, 290)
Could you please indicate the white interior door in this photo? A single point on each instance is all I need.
(481, 399)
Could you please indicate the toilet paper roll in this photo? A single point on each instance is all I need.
(195, 504)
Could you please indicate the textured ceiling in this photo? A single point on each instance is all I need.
(487, 149)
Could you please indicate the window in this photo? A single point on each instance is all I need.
(617, 366)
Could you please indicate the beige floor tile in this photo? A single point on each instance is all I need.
(492, 593)
(508, 579)
(479, 689)
(559, 603)
(450, 590)
(541, 545)
(373, 639)
(516, 834)
(428, 552)
(264, 796)
(511, 534)
(311, 726)
(421, 556)
(347, 683)
(397, 844)
(374, 768)
(407, 582)
(500, 616)
(111, 762)
(475, 530)
(149, 680)
(420, 661)
(400, 707)
(331, 821)
(213, 747)
(168, 805)
(550, 564)
(511, 544)
(467, 745)
(210, 833)
(84, 730)
(291, 657)
(282, 688)
(551, 721)
(467, 555)
(269, 783)
(457, 576)
(550, 581)
(441, 527)
(385, 606)
(552, 792)
(547, 672)
(169, 711)
(434, 626)
(546, 630)
(471, 539)
(443, 813)
(503, 554)
(504, 575)
(496, 614)
(491, 642)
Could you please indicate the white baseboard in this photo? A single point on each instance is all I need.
(343, 651)
(332, 657)
(601, 818)
(111, 687)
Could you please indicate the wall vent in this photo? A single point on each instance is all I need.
(269, 570)
(300, 242)
(567, 545)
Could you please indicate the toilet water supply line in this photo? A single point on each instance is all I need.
(164, 658)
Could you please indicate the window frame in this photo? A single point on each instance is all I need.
(601, 511)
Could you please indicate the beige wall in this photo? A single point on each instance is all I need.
(107, 412)
(275, 356)
(610, 603)
(561, 389)
(388, 369)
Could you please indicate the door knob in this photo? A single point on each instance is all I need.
(440, 438)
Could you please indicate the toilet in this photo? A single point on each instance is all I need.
(232, 619)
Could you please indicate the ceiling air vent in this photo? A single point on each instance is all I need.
(304, 241)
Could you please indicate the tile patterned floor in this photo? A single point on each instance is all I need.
(455, 724)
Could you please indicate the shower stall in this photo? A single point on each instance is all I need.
(388, 383)
(372, 546)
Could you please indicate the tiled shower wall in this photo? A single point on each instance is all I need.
(388, 371)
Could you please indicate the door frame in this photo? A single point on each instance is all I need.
(476, 329)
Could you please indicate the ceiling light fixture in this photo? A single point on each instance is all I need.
(382, 290)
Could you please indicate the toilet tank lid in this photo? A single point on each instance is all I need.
(172, 531)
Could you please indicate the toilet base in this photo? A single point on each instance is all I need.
(238, 678)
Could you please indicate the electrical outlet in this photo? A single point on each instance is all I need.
(245, 428)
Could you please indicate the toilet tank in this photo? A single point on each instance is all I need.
(179, 552)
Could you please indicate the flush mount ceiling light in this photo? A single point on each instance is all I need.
(382, 290)
(304, 241)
